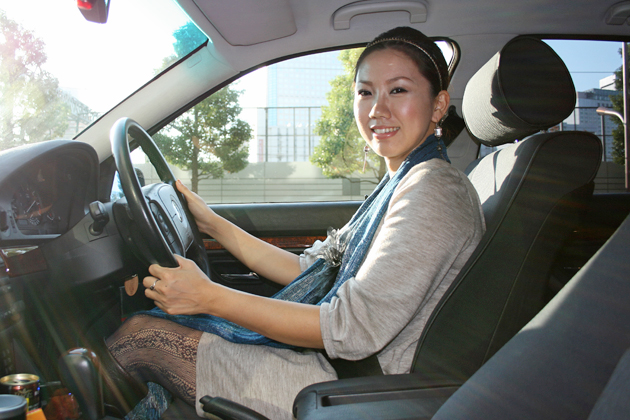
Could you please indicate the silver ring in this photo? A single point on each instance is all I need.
(153, 285)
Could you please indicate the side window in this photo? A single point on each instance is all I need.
(141, 165)
(595, 67)
(283, 133)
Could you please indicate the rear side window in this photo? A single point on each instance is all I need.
(595, 68)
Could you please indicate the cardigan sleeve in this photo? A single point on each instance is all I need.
(432, 218)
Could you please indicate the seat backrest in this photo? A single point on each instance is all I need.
(530, 191)
(568, 362)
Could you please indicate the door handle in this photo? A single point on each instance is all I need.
(240, 277)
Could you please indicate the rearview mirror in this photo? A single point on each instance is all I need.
(94, 10)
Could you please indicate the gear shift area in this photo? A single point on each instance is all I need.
(80, 372)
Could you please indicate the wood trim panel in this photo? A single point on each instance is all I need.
(19, 261)
(302, 242)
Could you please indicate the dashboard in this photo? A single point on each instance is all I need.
(45, 191)
(45, 188)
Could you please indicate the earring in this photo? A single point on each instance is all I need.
(366, 149)
(438, 126)
(438, 130)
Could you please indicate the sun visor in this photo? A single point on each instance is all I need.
(523, 89)
(264, 20)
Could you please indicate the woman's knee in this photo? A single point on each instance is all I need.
(151, 333)
(124, 338)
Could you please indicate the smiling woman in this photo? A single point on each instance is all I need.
(74, 266)
(359, 294)
(80, 69)
(394, 105)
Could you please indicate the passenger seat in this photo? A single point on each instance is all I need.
(572, 361)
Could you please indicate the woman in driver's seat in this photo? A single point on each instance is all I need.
(367, 290)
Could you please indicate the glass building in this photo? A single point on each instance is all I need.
(296, 91)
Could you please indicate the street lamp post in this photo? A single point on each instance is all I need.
(624, 117)
(610, 112)
(603, 126)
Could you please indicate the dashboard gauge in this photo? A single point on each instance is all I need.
(28, 207)
(45, 192)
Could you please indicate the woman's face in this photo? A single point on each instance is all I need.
(393, 105)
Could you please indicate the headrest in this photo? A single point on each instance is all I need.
(523, 89)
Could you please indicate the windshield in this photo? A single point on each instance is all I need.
(59, 72)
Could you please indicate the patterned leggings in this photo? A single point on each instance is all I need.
(156, 350)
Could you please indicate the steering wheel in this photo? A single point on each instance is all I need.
(161, 220)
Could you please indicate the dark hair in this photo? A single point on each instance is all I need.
(419, 48)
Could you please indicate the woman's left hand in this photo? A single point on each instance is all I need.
(184, 290)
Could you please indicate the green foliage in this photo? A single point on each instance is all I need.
(340, 150)
(32, 108)
(618, 150)
(187, 38)
(209, 139)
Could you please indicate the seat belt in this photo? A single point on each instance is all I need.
(356, 368)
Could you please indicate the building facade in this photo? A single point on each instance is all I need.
(585, 117)
(296, 91)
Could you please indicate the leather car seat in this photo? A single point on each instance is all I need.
(531, 190)
(531, 193)
(571, 361)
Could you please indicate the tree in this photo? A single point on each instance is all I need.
(618, 150)
(32, 108)
(340, 150)
(187, 38)
(209, 139)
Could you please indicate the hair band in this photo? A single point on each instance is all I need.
(415, 45)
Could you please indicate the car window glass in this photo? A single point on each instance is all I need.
(283, 133)
(139, 160)
(77, 70)
(595, 66)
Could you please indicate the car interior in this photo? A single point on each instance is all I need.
(535, 325)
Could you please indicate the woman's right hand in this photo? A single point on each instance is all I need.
(204, 216)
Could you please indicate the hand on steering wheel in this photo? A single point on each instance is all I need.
(161, 220)
(198, 207)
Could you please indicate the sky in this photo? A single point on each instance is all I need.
(114, 71)
(588, 61)
(71, 41)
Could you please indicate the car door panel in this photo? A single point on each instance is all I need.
(290, 226)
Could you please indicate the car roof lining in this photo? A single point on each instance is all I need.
(240, 43)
